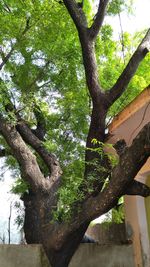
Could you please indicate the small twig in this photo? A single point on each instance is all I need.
(9, 223)
(7, 8)
(122, 38)
(7, 57)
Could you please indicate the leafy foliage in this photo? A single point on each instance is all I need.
(69, 197)
(45, 69)
(117, 6)
(20, 187)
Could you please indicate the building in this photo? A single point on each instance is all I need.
(126, 125)
(135, 232)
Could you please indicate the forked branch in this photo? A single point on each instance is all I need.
(137, 188)
(94, 30)
(122, 178)
(27, 161)
(48, 158)
(131, 161)
(76, 14)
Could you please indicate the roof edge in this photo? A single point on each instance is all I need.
(137, 103)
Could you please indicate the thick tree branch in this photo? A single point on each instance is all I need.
(131, 161)
(27, 161)
(97, 127)
(124, 79)
(90, 66)
(94, 30)
(123, 176)
(34, 138)
(49, 159)
(76, 14)
(137, 188)
(87, 45)
(89, 61)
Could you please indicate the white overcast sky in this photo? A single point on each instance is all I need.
(142, 16)
(136, 22)
(139, 21)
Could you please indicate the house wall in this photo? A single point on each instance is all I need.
(132, 228)
(147, 206)
(23, 256)
(137, 222)
(94, 255)
(88, 255)
(126, 126)
(108, 233)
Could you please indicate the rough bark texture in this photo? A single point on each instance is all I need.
(61, 239)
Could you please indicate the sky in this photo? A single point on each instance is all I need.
(139, 21)
(142, 10)
(7, 199)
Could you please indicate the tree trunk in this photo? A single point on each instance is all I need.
(61, 239)
(39, 229)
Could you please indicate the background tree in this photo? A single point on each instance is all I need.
(5, 238)
(53, 99)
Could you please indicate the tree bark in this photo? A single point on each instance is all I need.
(61, 239)
(39, 228)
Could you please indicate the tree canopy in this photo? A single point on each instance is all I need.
(63, 78)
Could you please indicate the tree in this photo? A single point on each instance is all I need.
(32, 64)
(3, 235)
